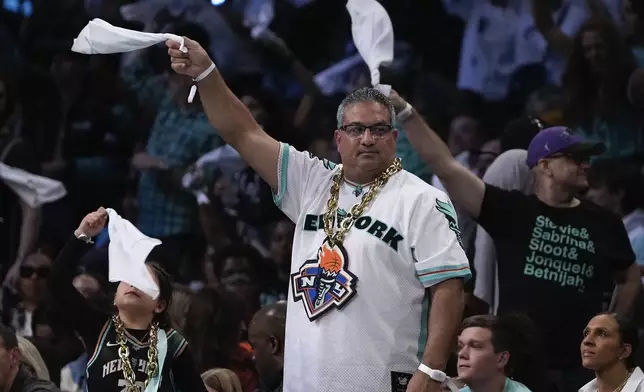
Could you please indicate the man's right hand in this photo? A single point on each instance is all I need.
(93, 223)
(193, 63)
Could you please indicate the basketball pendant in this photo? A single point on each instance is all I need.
(325, 282)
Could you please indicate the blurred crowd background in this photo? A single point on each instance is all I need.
(118, 132)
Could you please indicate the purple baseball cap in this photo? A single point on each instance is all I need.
(561, 140)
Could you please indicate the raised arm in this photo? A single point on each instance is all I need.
(546, 25)
(465, 189)
(80, 315)
(226, 113)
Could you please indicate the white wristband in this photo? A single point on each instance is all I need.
(202, 76)
(438, 376)
(405, 113)
(435, 375)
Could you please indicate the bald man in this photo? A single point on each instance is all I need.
(266, 336)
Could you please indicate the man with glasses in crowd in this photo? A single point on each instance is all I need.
(373, 243)
(556, 254)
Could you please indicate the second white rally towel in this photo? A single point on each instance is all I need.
(127, 252)
(373, 35)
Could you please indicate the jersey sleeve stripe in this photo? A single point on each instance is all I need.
(432, 276)
(443, 268)
(99, 343)
(282, 173)
(181, 348)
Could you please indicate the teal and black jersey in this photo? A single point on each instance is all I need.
(105, 368)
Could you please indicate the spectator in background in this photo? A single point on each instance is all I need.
(281, 248)
(96, 133)
(14, 376)
(546, 104)
(266, 336)
(89, 284)
(31, 289)
(221, 380)
(241, 269)
(609, 346)
(180, 135)
(500, 354)
(214, 327)
(181, 297)
(489, 151)
(632, 18)
(467, 142)
(595, 83)
(32, 360)
(619, 187)
(465, 134)
(19, 223)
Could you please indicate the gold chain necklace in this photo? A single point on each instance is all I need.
(358, 209)
(124, 354)
(621, 386)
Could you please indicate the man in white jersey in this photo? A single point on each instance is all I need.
(373, 243)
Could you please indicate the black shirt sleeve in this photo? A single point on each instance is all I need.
(78, 313)
(185, 373)
(501, 210)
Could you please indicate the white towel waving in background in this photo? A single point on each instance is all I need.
(32, 189)
(373, 35)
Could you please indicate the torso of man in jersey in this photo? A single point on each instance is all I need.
(357, 313)
(105, 368)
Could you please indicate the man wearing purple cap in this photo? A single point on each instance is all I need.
(556, 254)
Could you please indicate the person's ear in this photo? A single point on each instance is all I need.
(338, 138)
(161, 306)
(275, 345)
(14, 356)
(545, 167)
(627, 350)
(503, 359)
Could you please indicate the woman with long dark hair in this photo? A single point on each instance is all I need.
(595, 82)
(215, 328)
(609, 346)
(132, 346)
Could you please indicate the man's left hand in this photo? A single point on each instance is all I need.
(396, 100)
(421, 382)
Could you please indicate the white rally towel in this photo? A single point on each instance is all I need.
(32, 189)
(100, 37)
(332, 80)
(373, 35)
(127, 252)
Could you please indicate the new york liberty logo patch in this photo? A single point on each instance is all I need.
(450, 214)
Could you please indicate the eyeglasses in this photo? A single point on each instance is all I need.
(27, 271)
(575, 157)
(378, 131)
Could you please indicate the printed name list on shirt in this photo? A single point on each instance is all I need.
(554, 253)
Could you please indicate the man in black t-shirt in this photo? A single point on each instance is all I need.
(555, 253)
